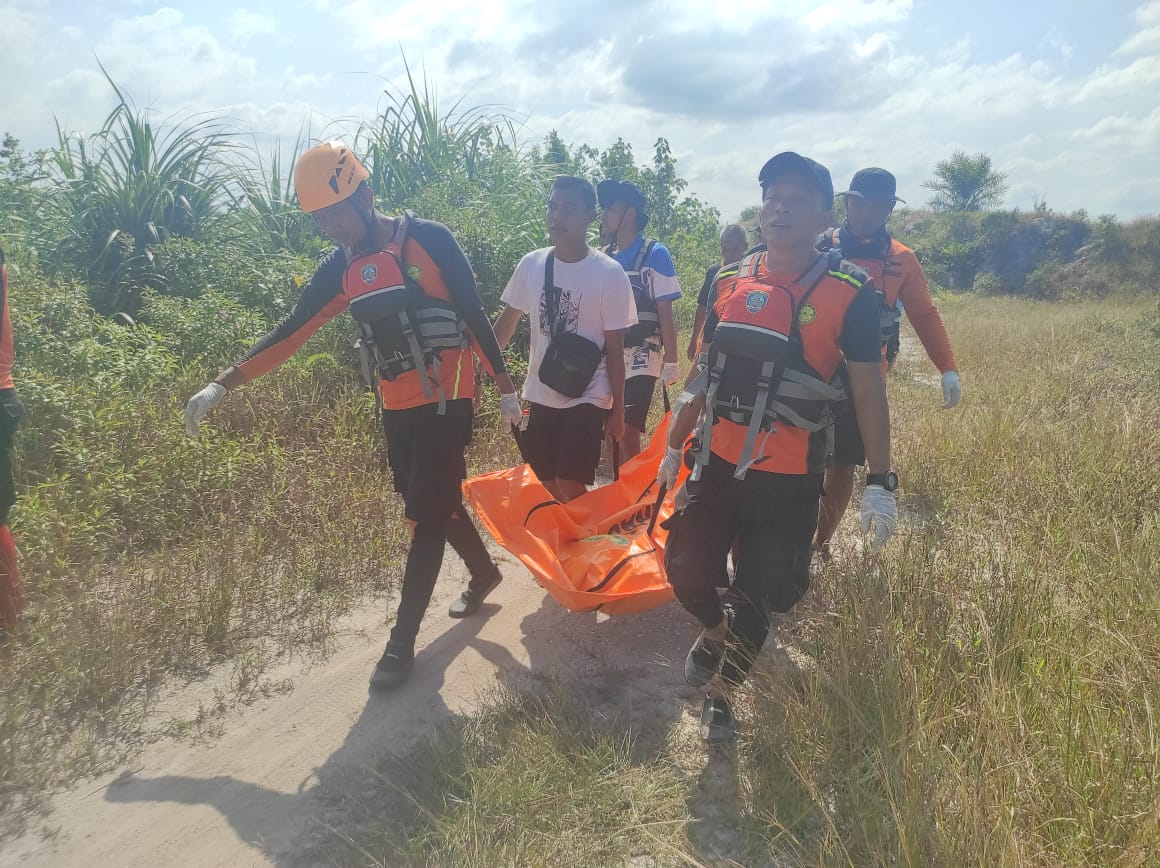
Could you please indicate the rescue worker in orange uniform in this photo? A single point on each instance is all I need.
(733, 244)
(412, 293)
(864, 240)
(792, 317)
(11, 595)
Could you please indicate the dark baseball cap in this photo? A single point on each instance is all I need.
(791, 163)
(873, 183)
(609, 192)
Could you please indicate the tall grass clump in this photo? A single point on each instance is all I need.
(119, 193)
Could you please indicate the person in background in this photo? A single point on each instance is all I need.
(575, 292)
(650, 347)
(864, 240)
(733, 244)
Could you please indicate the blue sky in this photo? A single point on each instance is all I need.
(1062, 95)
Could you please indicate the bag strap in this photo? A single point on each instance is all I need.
(551, 294)
(644, 253)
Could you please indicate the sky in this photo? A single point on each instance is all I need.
(1062, 95)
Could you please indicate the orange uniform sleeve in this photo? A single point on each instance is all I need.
(322, 300)
(920, 309)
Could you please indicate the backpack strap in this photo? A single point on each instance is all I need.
(643, 254)
(747, 267)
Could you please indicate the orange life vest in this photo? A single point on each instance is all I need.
(772, 371)
(887, 275)
(409, 331)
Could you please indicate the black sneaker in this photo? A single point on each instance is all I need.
(393, 667)
(717, 721)
(471, 599)
(704, 658)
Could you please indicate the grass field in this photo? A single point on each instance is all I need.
(982, 694)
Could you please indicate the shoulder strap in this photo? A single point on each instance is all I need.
(551, 293)
(643, 254)
(748, 266)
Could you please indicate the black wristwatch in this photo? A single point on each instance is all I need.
(888, 480)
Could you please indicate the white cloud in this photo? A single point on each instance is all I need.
(850, 82)
(245, 25)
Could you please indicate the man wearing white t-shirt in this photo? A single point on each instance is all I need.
(593, 299)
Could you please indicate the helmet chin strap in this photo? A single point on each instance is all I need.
(368, 220)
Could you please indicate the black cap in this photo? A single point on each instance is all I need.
(789, 162)
(609, 192)
(873, 183)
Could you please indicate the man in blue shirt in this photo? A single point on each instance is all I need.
(650, 347)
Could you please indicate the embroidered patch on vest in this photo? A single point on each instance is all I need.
(414, 272)
(369, 273)
(755, 300)
(807, 315)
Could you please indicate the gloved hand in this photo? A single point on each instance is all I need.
(670, 467)
(670, 373)
(200, 404)
(879, 511)
(510, 414)
(952, 391)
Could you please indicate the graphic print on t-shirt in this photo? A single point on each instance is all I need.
(567, 317)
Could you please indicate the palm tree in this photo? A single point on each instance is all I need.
(966, 182)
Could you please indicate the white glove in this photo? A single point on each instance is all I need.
(510, 414)
(670, 373)
(200, 404)
(879, 510)
(670, 467)
(952, 391)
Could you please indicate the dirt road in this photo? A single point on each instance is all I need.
(261, 790)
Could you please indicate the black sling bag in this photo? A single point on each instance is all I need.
(571, 361)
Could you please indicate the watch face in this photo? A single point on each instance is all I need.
(891, 481)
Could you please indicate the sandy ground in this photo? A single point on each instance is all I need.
(260, 791)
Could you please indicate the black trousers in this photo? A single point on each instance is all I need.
(426, 454)
(773, 516)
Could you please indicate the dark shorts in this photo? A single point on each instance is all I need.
(772, 516)
(638, 396)
(848, 448)
(425, 451)
(564, 443)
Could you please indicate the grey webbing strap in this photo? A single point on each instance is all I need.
(436, 365)
(641, 255)
(700, 384)
(794, 418)
(813, 274)
(416, 353)
(756, 417)
(707, 424)
(795, 384)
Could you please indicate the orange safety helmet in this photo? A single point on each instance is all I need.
(326, 174)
